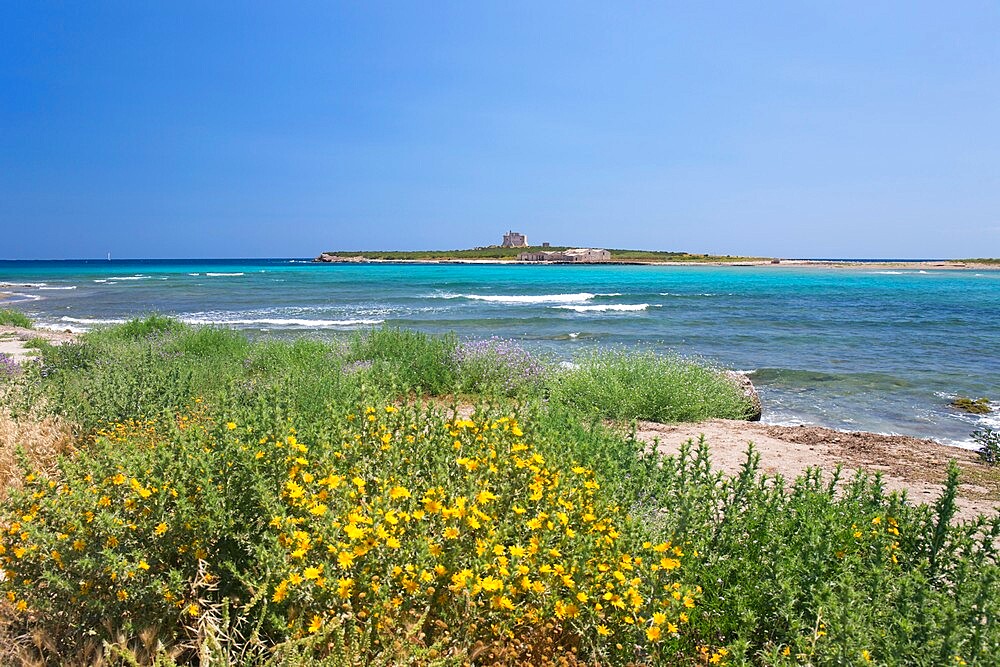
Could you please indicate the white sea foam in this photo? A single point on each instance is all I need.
(60, 288)
(92, 320)
(135, 277)
(34, 285)
(579, 297)
(61, 327)
(698, 294)
(991, 420)
(282, 322)
(216, 275)
(889, 273)
(17, 297)
(575, 334)
(623, 307)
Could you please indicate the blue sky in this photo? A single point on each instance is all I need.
(800, 129)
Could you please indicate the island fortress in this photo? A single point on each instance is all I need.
(514, 240)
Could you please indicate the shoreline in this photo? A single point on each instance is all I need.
(926, 265)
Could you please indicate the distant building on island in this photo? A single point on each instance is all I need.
(514, 240)
(580, 255)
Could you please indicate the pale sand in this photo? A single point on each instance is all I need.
(911, 464)
(12, 340)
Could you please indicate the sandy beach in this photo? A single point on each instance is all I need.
(914, 465)
(13, 339)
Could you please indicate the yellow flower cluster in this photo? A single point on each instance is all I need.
(95, 523)
(498, 534)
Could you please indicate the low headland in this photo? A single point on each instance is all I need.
(500, 254)
(397, 498)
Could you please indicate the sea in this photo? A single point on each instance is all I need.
(859, 348)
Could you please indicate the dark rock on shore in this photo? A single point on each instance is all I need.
(978, 406)
(745, 385)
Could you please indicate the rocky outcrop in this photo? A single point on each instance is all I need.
(974, 406)
(745, 385)
(329, 257)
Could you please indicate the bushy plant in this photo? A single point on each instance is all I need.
(497, 367)
(145, 327)
(8, 366)
(268, 502)
(988, 440)
(406, 360)
(14, 318)
(480, 539)
(616, 384)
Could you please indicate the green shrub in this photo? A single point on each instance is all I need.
(497, 367)
(406, 360)
(643, 385)
(258, 455)
(152, 325)
(988, 440)
(14, 318)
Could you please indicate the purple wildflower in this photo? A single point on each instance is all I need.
(497, 364)
(356, 367)
(8, 365)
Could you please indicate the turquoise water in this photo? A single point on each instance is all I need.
(847, 348)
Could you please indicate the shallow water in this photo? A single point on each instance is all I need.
(870, 349)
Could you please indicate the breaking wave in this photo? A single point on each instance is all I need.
(622, 307)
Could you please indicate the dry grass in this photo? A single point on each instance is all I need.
(42, 439)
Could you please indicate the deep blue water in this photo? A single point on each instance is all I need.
(852, 348)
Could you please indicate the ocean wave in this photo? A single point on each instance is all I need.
(282, 322)
(17, 297)
(135, 277)
(889, 273)
(578, 297)
(623, 307)
(92, 320)
(29, 285)
(679, 294)
(217, 275)
(60, 288)
(49, 326)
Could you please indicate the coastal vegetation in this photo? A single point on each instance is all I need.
(988, 440)
(179, 495)
(14, 318)
(501, 253)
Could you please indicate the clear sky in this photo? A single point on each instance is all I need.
(217, 129)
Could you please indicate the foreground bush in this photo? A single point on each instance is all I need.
(642, 385)
(14, 318)
(301, 511)
(394, 519)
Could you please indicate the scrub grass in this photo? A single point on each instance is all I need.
(14, 318)
(228, 501)
(624, 385)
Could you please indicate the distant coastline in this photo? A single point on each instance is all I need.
(499, 255)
